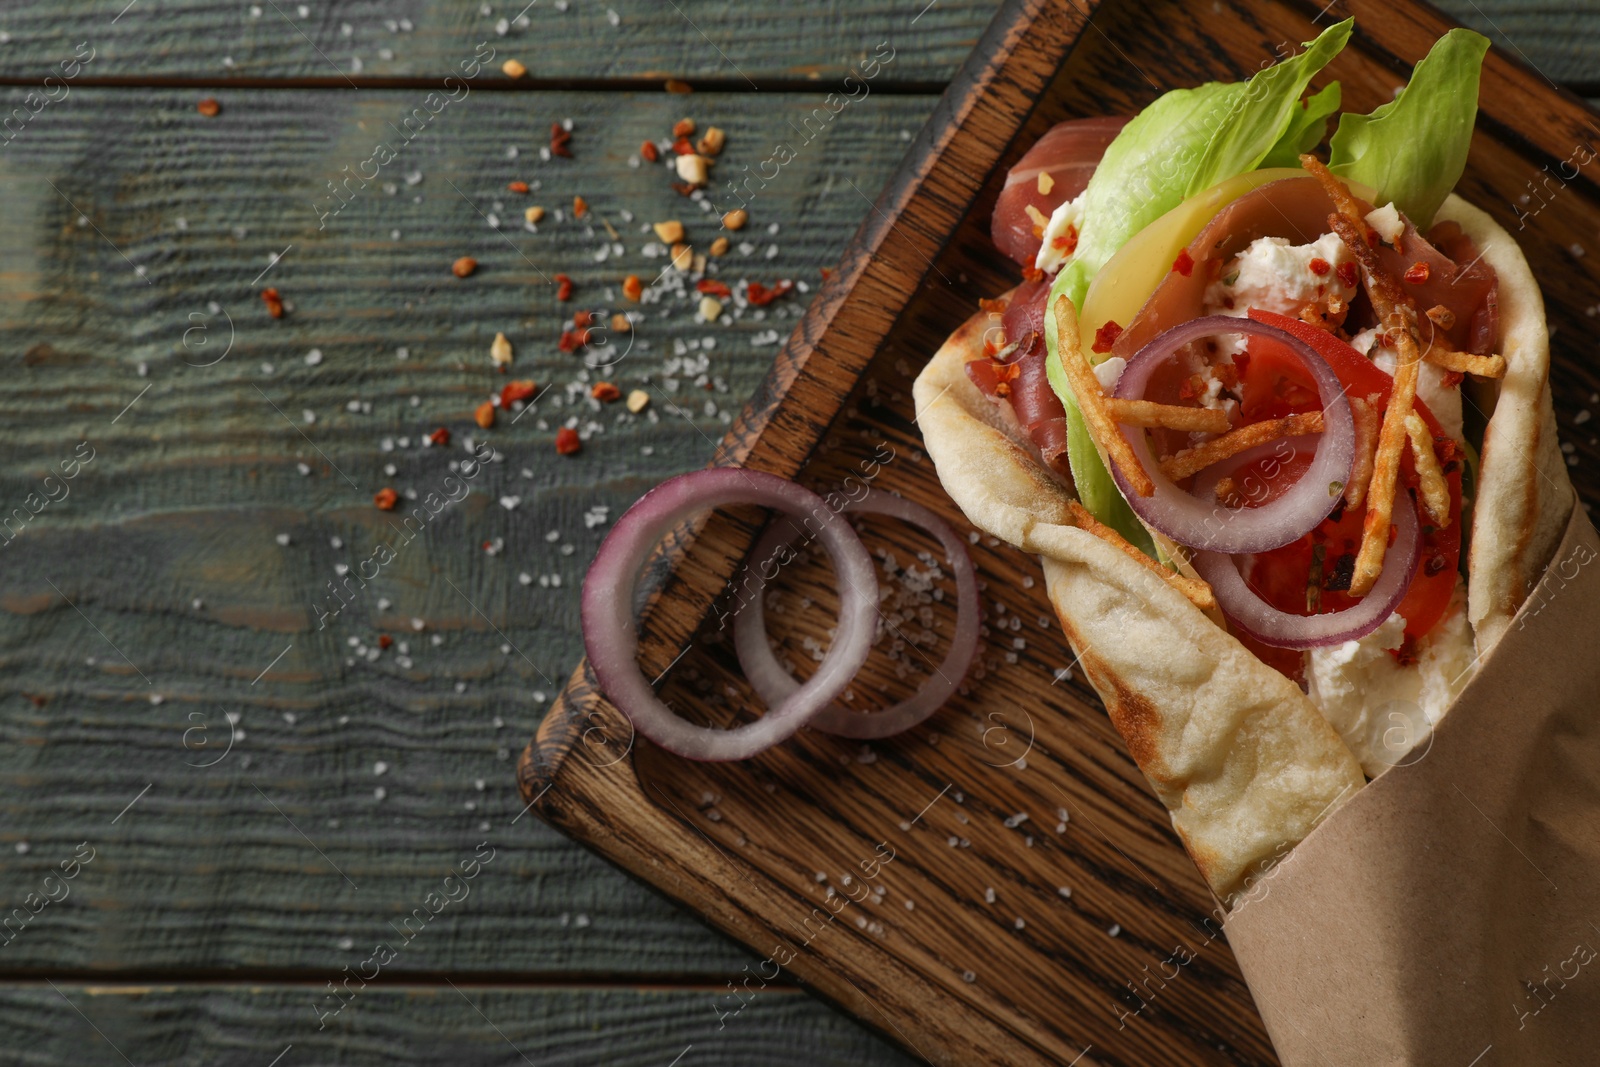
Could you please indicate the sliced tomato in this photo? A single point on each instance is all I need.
(1272, 385)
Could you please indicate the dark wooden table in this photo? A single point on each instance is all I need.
(217, 800)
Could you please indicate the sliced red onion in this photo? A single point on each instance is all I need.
(773, 682)
(1199, 524)
(612, 643)
(1271, 626)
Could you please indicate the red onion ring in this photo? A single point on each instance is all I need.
(1192, 521)
(1271, 626)
(612, 643)
(769, 678)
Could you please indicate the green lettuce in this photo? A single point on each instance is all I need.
(1413, 149)
(1185, 142)
(1306, 129)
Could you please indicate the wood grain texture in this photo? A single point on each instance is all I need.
(167, 544)
(715, 42)
(1026, 974)
(471, 1026)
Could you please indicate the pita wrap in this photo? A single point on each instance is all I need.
(1243, 760)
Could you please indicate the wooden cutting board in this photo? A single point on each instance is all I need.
(998, 885)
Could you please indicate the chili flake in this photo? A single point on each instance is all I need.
(1319, 266)
(384, 641)
(677, 87)
(559, 140)
(648, 153)
(1032, 274)
(517, 187)
(274, 302)
(580, 319)
(632, 287)
(484, 416)
(682, 188)
(463, 266)
(386, 499)
(605, 392)
(713, 287)
(682, 147)
(563, 287)
(521, 390)
(1066, 243)
(1417, 273)
(1184, 264)
(760, 296)
(440, 437)
(1348, 273)
(209, 107)
(567, 442)
(580, 207)
(1105, 337)
(996, 306)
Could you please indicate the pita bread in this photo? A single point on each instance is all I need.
(1243, 760)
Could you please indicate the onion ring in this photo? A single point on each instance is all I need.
(612, 642)
(769, 679)
(1193, 521)
(1272, 626)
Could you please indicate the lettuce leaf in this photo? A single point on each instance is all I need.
(1306, 129)
(1185, 142)
(1413, 149)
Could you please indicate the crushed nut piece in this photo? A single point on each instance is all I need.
(638, 400)
(463, 266)
(605, 392)
(683, 128)
(694, 169)
(1046, 183)
(710, 308)
(620, 323)
(500, 350)
(712, 142)
(670, 232)
(735, 219)
(386, 499)
(513, 68)
(682, 257)
(484, 416)
(533, 215)
(632, 287)
(719, 246)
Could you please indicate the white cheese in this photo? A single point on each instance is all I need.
(1384, 709)
(1443, 399)
(1067, 215)
(1274, 275)
(1108, 371)
(1387, 221)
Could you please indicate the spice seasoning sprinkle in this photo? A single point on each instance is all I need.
(605, 392)
(440, 437)
(560, 139)
(209, 107)
(567, 442)
(517, 392)
(632, 287)
(463, 267)
(274, 302)
(563, 287)
(386, 499)
(580, 207)
(648, 152)
(517, 186)
(484, 416)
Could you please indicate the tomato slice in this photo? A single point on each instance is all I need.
(1272, 385)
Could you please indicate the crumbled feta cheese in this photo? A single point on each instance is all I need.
(1276, 276)
(1067, 216)
(1109, 371)
(1387, 221)
(1381, 708)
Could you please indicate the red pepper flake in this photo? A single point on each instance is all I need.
(484, 416)
(682, 188)
(209, 107)
(760, 296)
(632, 287)
(1319, 266)
(1105, 337)
(678, 87)
(518, 187)
(441, 436)
(997, 306)
(580, 207)
(567, 442)
(1349, 273)
(1417, 273)
(386, 499)
(991, 349)
(463, 267)
(572, 340)
(581, 319)
(521, 390)
(563, 287)
(714, 288)
(559, 140)
(384, 641)
(825, 272)
(648, 152)
(605, 392)
(1452, 378)
(682, 147)
(1192, 387)
(1032, 274)
(1066, 243)
(274, 302)
(1184, 264)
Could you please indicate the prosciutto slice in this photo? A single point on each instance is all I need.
(1068, 152)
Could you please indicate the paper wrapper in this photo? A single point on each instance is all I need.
(1449, 913)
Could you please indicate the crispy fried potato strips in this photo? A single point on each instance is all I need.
(1491, 366)
(1092, 400)
(1192, 461)
(1198, 592)
(1149, 414)
(1430, 476)
(1366, 418)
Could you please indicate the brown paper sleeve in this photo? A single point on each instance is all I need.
(1449, 913)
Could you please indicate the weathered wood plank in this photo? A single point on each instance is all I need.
(467, 1026)
(723, 41)
(167, 541)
